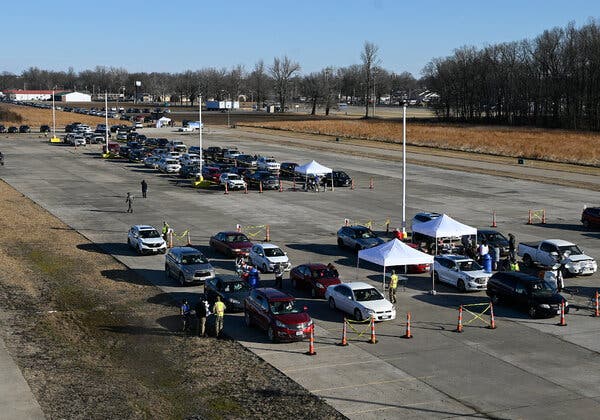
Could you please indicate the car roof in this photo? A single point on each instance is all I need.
(185, 250)
(315, 266)
(231, 232)
(268, 245)
(517, 275)
(355, 285)
(487, 231)
(144, 227)
(427, 213)
(454, 257)
(559, 242)
(274, 294)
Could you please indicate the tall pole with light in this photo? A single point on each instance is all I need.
(200, 131)
(404, 170)
(53, 118)
(106, 119)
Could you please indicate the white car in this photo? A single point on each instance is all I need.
(265, 256)
(233, 181)
(360, 300)
(169, 166)
(267, 164)
(146, 239)
(190, 159)
(186, 129)
(138, 125)
(231, 154)
(461, 272)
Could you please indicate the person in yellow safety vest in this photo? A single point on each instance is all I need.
(165, 231)
(393, 286)
(514, 265)
(219, 311)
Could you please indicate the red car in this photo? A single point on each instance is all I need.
(317, 277)
(417, 268)
(211, 173)
(232, 244)
(276, 312)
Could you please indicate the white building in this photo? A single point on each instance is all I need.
(28, 95)
(72, 97)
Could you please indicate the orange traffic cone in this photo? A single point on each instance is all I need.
(408, 333)
(311, 342)
(373, 339)
(344, 333)
(352, 184)
(597, 311)
(492, 325)
(459, 327)
(226, 189)
(371, 184)
(563, 322)
(260, 187)
(494, 220)
(280, 186)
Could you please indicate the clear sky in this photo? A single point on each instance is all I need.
(174, 36)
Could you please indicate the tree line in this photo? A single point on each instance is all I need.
(550, 81)
(277, 82)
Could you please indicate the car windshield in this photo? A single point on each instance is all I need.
(233, 177)
(363, 295)
(469, 266)
(364, 234)
(193, 259)
(570, 249)
(542, 288)
(274, 252)
(286, 307)
(149, 233)
(238, 286)
(496, 237)
(236, 238)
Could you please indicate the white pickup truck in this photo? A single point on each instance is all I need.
(552, 251)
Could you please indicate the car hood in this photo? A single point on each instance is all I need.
(153, 240)
(282, 259)
(577, 258)
(377, 305)
(477, 274)
(370, 242)
(291, 319)
(194, 267)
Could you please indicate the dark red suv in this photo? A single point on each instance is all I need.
(277, 313)
(590, 217)
(316, 277)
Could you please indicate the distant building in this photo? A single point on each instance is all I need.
(72, 97)
(28, 95)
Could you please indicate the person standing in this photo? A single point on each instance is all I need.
(165, 231)
(202, 312)
(484, 249)
(219, 311)
(393, 286)
(144, 188)
(184, 312)
(129, 201)
(512, 246)
(278, 271)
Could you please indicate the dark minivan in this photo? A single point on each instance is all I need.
(538, 297)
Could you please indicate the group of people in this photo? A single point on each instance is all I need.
(247, 272)
(129, 198)
(201, 312)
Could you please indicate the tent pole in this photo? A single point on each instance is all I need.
(357, 263)
(383, 281)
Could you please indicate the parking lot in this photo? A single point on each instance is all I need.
(525, 368)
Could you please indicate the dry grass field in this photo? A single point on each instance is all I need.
(552, 145)
(35, 117)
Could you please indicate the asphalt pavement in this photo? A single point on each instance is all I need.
(523, 369)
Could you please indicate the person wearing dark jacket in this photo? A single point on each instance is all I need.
(512, 245)
(144, 188)
(202, 312)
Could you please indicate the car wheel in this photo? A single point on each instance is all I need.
(294, 284)
(332, 303)
(527, 260)
(313, 292)
(340, 242)
(181, 279)
(532, 311)
(139, 250)
(248, 319)
(271, 334)
(358, 315)
(461, 286)
(586, 223)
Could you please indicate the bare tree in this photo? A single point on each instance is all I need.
(369, 59)
(258, 81)
(282, 71)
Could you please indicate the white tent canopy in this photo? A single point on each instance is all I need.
(313, 168)
(394, 252)
(162, 121)
(444, 227)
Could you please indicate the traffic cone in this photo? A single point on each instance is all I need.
(260, 187)
(408, 333)
(268, 233)
(311, 342)
(459, 327)
(371, 184)
(492, 325)
(352, 184)
(344, 332)
(494, 220)
(563, 322)
(246, 189)
(373, 339)
(189, 241)
(226, 189)
(597, 311)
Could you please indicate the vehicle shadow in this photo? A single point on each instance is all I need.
(108, 211)
(114, 248)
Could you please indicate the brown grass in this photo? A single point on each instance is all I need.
(551, 145)
(36, 117)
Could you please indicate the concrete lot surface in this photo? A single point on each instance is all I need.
(526, 368)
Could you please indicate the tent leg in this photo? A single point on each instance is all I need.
(383, 280)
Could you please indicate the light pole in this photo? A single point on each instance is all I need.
(404, 170)
(200, 130)
(106, 119)
(54, 139)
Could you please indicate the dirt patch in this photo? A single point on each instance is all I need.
(36, 117)
(94, 340)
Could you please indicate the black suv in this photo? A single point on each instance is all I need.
(286, 170)
(45, 129)
(2, 129)
(538, 297)
(269, 182)
(24, 129)
(340, 179)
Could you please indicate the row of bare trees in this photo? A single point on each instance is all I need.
(550, 81)
(275, 83)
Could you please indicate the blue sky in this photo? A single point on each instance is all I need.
(180, 35)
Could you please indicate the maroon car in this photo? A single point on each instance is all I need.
(316, 277)
(232, 244)
(277, 313)
(590, 217)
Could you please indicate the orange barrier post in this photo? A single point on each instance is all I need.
(280, 186)
(492, 325)
(260, 187)
(311, 342)
(344, 334)
(346, 222)
(352, 184)
(408, 333)
(246, 189)
(373, 339)
(459, 327)
(563, 322)
(170, 239)
(530, 221)
(238, 227)
(267, 233)
(371, 184)
(597, 311)
(189, 241)
(294, 185)
(226, 189)
(543, 216)
(494, 220)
